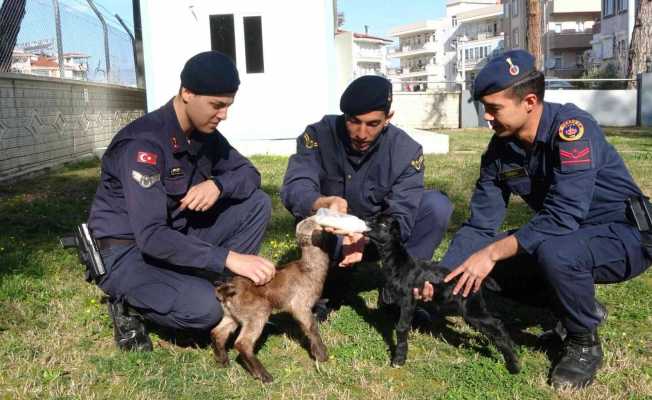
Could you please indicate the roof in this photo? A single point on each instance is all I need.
(490, 11)
(365, 36)
(44, 62)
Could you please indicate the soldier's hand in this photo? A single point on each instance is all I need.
(201, 197)
(426, 293)
(335, 203)
(352, 249)
(258, 269)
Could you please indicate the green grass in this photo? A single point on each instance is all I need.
(56, 337)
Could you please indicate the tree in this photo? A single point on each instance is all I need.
(640, 48)
(11, 16)
(534, 38)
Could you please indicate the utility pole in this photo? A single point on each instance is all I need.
(534, 31)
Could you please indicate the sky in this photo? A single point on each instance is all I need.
(382, 15)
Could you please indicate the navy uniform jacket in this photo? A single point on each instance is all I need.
(148, 167)
(388, 177)
(571, 178)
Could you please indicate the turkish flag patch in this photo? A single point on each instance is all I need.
(575, 156)
(146, 158)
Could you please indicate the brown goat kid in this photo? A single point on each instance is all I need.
(296, 287)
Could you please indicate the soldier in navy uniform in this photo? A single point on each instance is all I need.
(557, 159)
(361, 164)
(177, 207)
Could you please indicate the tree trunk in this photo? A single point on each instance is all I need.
(534, 39)
(640, 48)
(11, 16)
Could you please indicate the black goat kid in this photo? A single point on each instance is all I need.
(403, 273)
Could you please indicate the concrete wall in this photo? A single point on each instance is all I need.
(608, 107)
(47, 122)
(426, 110)
(298, 85)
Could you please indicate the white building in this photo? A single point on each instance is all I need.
(424, 55)
(287, 63)
(611, 40)
(478, 36)
(359, 54)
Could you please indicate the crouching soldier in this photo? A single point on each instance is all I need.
(361, 164)
(176, 208)
(591, 222)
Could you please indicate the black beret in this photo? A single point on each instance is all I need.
(504, 71)
(210, 73)
(365, 94)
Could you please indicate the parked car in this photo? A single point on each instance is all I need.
(557, 84)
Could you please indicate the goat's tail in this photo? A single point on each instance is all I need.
(224, 291)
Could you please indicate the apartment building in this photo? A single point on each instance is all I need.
(359, 54)
(612, 36)
(567, 31)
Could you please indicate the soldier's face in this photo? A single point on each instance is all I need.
(363, 129)
(206, 112)
(505, 114)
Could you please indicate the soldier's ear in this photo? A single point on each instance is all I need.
(186, 95)
(388, 117)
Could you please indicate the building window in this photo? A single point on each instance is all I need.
(557, 62)
(454, 20)
(557, 28)
(622, 5)
(253, 40)
(223, 34)
(608, 8)
(515, 38)
(514, 8)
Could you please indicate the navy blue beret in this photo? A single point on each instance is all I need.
(504, 71)
(210, 73)
(365, 94)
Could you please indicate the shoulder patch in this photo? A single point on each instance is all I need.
(571, 130)
(309, 142)
(146, 158)
(146, 181)
(417, 163)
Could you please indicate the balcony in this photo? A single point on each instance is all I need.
(413, 49)
(569, 40)
(411, 72)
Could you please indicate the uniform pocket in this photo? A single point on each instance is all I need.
(332, 186)
(177, 186)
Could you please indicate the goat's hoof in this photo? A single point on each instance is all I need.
(513, 368)
(265, 377)
(398, 363)
(222, 361)
(320, 354)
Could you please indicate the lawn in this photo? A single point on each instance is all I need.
(56, 336)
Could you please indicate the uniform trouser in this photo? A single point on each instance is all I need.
(429, 228)
(180, 297)
(565, 268)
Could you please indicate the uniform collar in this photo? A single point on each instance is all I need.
(177, 140)
(545, 124)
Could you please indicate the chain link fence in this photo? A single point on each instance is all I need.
(71, 39)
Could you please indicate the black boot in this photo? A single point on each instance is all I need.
(558, 334)
(129, 330)
(580, 362)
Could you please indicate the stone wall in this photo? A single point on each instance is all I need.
(45, 123)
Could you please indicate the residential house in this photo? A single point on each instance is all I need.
(359, 54)
(612, 37)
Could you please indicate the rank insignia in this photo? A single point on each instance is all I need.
(575, 156)
(176, 171)
(571, 130)
(145, 181)
(417, 163)
(309, 142)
